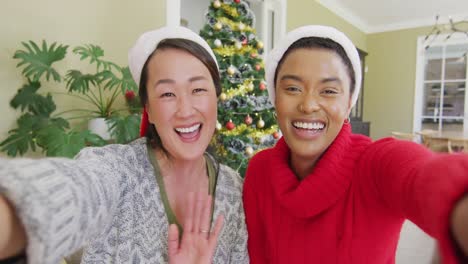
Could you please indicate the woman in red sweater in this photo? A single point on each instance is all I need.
(325, 195)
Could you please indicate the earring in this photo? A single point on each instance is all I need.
(347, 120)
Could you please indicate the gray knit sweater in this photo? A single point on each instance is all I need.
(107, 198)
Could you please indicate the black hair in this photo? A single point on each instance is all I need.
(320, 43)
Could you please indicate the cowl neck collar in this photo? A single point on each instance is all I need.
(327, 183)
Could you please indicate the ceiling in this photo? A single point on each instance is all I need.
(373, 16)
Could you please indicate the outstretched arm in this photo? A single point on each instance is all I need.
(459, 224)
(12, 233)
(424, 187)
(63, 203)
(198, 242)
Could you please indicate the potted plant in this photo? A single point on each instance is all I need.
(41, 126)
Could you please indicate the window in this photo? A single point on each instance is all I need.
(440, 101)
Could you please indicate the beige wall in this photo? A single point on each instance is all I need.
(112, 24)
(390, 80)
(301, 12)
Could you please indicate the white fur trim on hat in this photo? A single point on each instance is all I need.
(148, 41)
(313, 31)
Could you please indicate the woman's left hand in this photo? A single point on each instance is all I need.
(460, 224)
(198, 243)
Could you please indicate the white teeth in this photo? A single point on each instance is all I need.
(304, 125)
(188, 129)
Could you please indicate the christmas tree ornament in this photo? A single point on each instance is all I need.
(241, 26)
(218, 125)
(223, 97)
(258, 67)
(216, 4)
(218, 26)
(245, 68)
(260, 123)
(129, 95)
(248, 120)
(217, 43)
(243, 39)
(276, 135)
(230, 125)
(253, 55)
(231, 70)
(262, 86)
(259, 45)
(249, 151)
(237, 1)
(250, 87)
(238, 45)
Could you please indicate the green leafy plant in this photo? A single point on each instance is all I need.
(40, 126)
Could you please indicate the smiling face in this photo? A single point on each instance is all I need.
(182, 102)
(312, 102)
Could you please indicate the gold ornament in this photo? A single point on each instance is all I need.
(249, 151)
(218, 26)
(238, 45)
(260, 45)
(223, 97)
(231, 70)
(260, 123)
(217, 43)
(216, 4)
(250, 87)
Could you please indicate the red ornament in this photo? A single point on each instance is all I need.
(237, 1)
(262, 86)
(230, 125)
(248, 120)
(244, 42)
(258, 67)
(129, 95)
(276, 135)
(253, 55)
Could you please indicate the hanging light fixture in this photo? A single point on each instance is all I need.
(451, 28)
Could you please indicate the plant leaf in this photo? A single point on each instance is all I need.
(22, 137)
(94, 53)
(39, 61)
(125, 83)
(124, 128)
(67, 144)
(79, 82)
(26, 97)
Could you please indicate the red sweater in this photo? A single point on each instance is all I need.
(350, 209)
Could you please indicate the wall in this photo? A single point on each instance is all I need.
(193, 11)
(300, 13)
(390, 80)
(112, 24)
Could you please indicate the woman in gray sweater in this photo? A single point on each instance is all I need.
(131, 203)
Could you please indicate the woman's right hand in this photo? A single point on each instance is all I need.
(12, 233)
(198, 242)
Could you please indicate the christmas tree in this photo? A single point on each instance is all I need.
(246, 122)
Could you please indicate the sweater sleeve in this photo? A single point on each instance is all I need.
(420, 185)
(240, 254)
(62, 202)
(257, 239)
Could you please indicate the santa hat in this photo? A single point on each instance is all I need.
(313, 31)
(145, 46)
